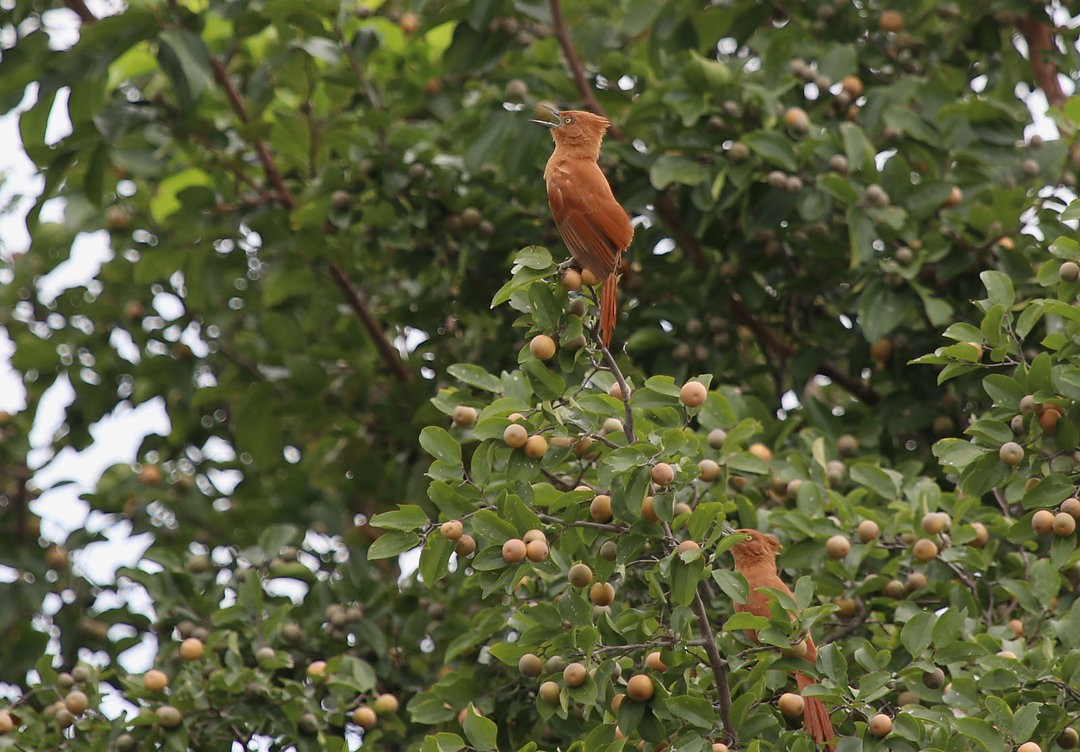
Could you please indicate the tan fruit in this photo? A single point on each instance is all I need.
(76, 702)
(982, 535)
(151, 475)
(647, 510)
(880, 725)
(1072, 506)
(542, 347)
(7, 722)
(681, 508)
(798, 650)
(640, 688)
(933, 679)
(452, 530)
(1042, 522)
(616, 391)
(316, 670)
(1049, 418)
(580, 575)
(464, 415)
(616, 702)
(386, 704)
(791, 705)
(797, 120)
(466, 546)
(515, 436)
(1017, 628)
(575, 675)
(1007, 654)
(365, 717)
(709, 470)
(1064, 524)
(571, 280)
(168, 716)
(155, 680)
(192, 649)
(536, 550)
(1029, 747)
(534, 534)
(881, 350)
(719, 747)
(583, 448)
(536, 447)
(846, 607)
(867, 531)
(549, 692)
(693, 394)
(611, 425)
(915, 581)
(602, 593)
(760, 451)
(894, 589)
(409, 23)
(655, 662)
(530, 665)
(892, 21)
(716, 438)
(907, 697)
(687, 545)
(56, 557)
(514, 550)
(956, 195)
(837, 547)
(935, 522)
(1068, 738)
(924, 549)
(663, 474)
(589, 278)
(1011, 453)
(600, 508)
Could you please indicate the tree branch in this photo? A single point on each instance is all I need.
(562, 33)
(718, 664)
(85, 14)
(1037, 35)
(352, 296)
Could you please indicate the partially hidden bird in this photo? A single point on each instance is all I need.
(592, 223)
(755, 558)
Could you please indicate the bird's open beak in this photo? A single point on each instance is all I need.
(727, 529)
(548, 123)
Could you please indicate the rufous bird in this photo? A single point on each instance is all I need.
(755, 559)
(592, 223)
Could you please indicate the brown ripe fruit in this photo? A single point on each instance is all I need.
(907, 697)
(575, 675)
(530, 665)
(640, 688)
(716, 438)
(536, 447)
(168, 716)
(1049, 418)
(1011, 453)
(580, 575)
(881, 350)
(1006, 654)
(709, 470)
(514, 550)
(846, 607)
(76, 702)
(542, 347)
(536, 550)
(1072, 506)
(616, 702)
(1069, 271)
(837, 547)
(719, 747)
(602, 593)
(894, 589)
(316, 670)
(7, 722)
(797, 120)
(155, 680)
(615, 391)
(934, 522)
(880, 725)
(386, 704)
(365, 717)
(1042, 522)
(151, 475)
(892, 21)
(608, 550)
(915, 581)
(589, 278)
(1068, 738)
(571, 280)
(464, 416)
(653, 661)
(760, 451)
(662, 474)
(687, 545)
(1029, 747)
(925, 549)
(647, 510)
(853, 85)
(1064, 524)
(466, 546)
(934, 679)
(956, 195)
(600, 508)
(534, 534)
(791, 705)
(1017, 628)
(409, 22)
(549, 692)
(452, 530)
(56, 557)
(867, 531)
(515, 436)
(982, 535)
(681, 508)
(693, 394)
(192, 649)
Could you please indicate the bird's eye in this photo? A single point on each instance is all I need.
(749, 538)
(568, 120)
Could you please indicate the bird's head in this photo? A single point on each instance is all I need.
(754, 544)
(573, 127)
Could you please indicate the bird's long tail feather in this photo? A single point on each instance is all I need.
(816, 716)
(608, 304)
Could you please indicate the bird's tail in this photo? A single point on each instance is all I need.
(608, 306)
(816, 716)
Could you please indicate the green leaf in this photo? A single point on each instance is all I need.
(745, 620)
(1050, 491)
(885, 483)
(474, 375)
(732, 583)
(394, 543)
(957, 452)
(772, 147)
(999, 287)
(980, 731)
(669, 169)
(441, 445)
(696, 710)
(917, 633)
(186, 61)
(481, 732)
(435, 558)
(405, 517)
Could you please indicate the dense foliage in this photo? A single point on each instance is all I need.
(334, 269)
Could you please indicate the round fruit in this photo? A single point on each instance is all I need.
(616, 702)
(877, 196)
(316, 670)
(168, 716)
(925, 549)
(797, 120)
(1064, 524)
(719, 747)
(608, 550)
(1029, 747)
(640, 688)
(536, 447)
(515, 436)
(791, 705)
(150, 475)
(867, 531)
(934, 522)
(191, 649)
(663, 474)
(880, 725)
(760, 451)
(1042, 522)
(549, 692)
(589, 278)
(846, 607)
(1017, 628)
(602, 593)
(575, 675)
(365, 717)
(687, 545)
(452, 530)
(530, 665)
(717, 437)
(655, 662)
(907, 697)
(693, 394)
(1048, 419)
(464, 415)
(648, 511)
(466, 545)
(1072, 506)
(956, 195)
(155, 680)
(1069, 271)
(1011, 453)
(892, 21)
(709, 470)
(542, 347)
(56, 557)
(386, 704)
(853, 85)
(837, 547)
(982, 535)
(580, 575)
(894, 589)
(934, 679)
(612, 425)
(533, 535)
(554, 664)
(1068, 738)
(536, 550)
(600, 508)
(514, 550)
(681, 508)
(410, 22)
(76, 702)
(571, 280)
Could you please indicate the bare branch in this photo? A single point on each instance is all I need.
(1037, 35)
(562, 33)
(85, 14)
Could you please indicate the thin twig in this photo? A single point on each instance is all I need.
(356, 302)
(624, 388)
(85, 14)
(1037, 35)
(585, 523)
(718, 664)
(856, 622)
(562, 33)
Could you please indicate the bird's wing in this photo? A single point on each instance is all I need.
(592, 223)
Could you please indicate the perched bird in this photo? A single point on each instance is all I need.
(593, 225)
(755, 558)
